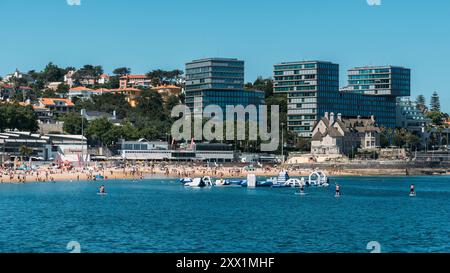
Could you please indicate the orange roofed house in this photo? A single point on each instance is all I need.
(133, 81)
(56, 105)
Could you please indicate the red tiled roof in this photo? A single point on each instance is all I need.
(167, 87)
(25, 88)
(134, 77)
(51, 101)
(79, 88)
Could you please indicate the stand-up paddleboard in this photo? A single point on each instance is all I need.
(337, 195)
(301, 193)
(102, 193)
(412, 195)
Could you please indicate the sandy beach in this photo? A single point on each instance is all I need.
(105, 171)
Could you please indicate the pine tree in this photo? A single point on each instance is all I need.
(435, 103)
(421, 103)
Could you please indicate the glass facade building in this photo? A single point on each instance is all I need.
(218, 81)
(312, 89)
(380, 80)
(303, 82)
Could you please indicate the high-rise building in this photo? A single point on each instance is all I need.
(218, 81)
(380, 80)
(304, 82)
(312, 89)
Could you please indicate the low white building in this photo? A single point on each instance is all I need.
(159, 151)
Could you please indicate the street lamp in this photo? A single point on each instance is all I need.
(82, 134)
(282, 142)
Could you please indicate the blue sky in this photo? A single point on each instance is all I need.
(150, 34)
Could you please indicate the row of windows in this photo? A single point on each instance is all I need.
(295, 66)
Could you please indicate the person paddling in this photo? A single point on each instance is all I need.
(412, 190)
(102, 189)
(338, 190)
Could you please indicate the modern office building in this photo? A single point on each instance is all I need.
(304, 83)
(218, 81)
(312, 89)
(380, 80)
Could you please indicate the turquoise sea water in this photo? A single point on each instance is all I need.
(160, 215)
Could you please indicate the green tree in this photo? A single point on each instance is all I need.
(435, 104)
(122, 71)
(14, 116)
(262, 84)
(436, 118)
(421, 103)
(172, 101)
(73, 122)
(98, 131)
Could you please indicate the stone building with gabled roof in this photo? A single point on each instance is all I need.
(335, 135)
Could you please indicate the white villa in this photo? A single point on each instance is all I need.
(335, 135)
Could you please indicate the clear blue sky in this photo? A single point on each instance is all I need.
(150, 34)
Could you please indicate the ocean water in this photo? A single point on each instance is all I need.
(160, 215)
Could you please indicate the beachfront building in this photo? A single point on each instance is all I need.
(42, 147)
(312, 89)
(334, 135)
(72, 148)
(218, 81)
(24, 145)
(160, 151)
(135, 81)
